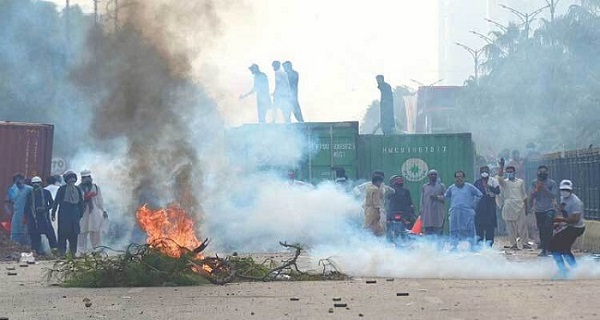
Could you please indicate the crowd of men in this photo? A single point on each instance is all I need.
(77, 213)
(285, 95)
(472, 211)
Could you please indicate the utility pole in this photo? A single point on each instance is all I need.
(499, 25)
(526, 18)
(475, 53)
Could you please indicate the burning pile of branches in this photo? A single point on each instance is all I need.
(173, 256)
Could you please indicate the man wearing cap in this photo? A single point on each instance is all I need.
(261, 88)
(37, 213)
(515, 203)
(432, 204)
(17, 196)
(94, 214)
(386, 106)
(69, 204)
(568, 226)
(543, 195)
(485, 212)
(282, 93)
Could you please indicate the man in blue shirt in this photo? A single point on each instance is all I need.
(463, 198)
(18, 197)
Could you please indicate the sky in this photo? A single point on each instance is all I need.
(338, 47)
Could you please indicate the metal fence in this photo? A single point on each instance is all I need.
(580, 166)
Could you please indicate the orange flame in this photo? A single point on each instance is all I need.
(170, 230)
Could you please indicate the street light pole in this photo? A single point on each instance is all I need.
(475, 53)
(526, 18)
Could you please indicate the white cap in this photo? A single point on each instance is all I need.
(566, 185)
(36, 180)
(86, 173)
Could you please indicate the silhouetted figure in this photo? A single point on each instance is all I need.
(386, 106)
(261, 88)
(281, 95)
(293, 78)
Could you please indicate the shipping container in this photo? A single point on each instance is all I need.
(24, 148)
(412, 156)
(316, 148)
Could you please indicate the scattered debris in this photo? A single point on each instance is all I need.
(330, 310)
(11, 273)
(87, 302)
(10, 268)
(402, 294)
(423, 290)
(23, 265)
(390, 279)
(340, 305)
(337, 299)
(360, 315)
(371, 281)
(294, 299)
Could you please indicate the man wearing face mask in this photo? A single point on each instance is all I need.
(94, 214)
(400, 211)
(17, 196)
(543, 195)
(69, 204)
(37, 213)
(568, 226)
(515, 204)
(463, 198)
(485, 212)
(432, 204)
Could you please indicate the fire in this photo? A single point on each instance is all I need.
(171, 230)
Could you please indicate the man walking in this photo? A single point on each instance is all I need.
(69, 204)
(543, 195)
(261, 89)
(94, 214)
(463, 198)
(386, 106)
(485, 212)
(293, 78)
(432, 205)
(569, 226)
(37, 213)
(514, 208)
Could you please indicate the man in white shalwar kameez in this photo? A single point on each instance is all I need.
(94, 215)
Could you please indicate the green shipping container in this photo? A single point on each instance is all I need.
(412, 156)
(320, 147)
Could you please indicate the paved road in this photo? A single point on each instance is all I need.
(27, 296)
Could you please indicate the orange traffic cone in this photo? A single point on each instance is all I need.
(416, 229)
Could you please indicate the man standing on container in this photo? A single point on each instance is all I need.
(432, 205)
(261, 89)
(543, 195)
(94, 215)
(373, 206)
(485, 212)
(463, 198)
(514, 207)
(293, 78)
(569, 226)
(386, 106)
(37, 212)
(282, 93)
(69, 204)
(18, 197)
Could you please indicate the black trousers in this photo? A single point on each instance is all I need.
(563, 240)
(36, 241)
(544, 224)
(485, 232)
(62, 243)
